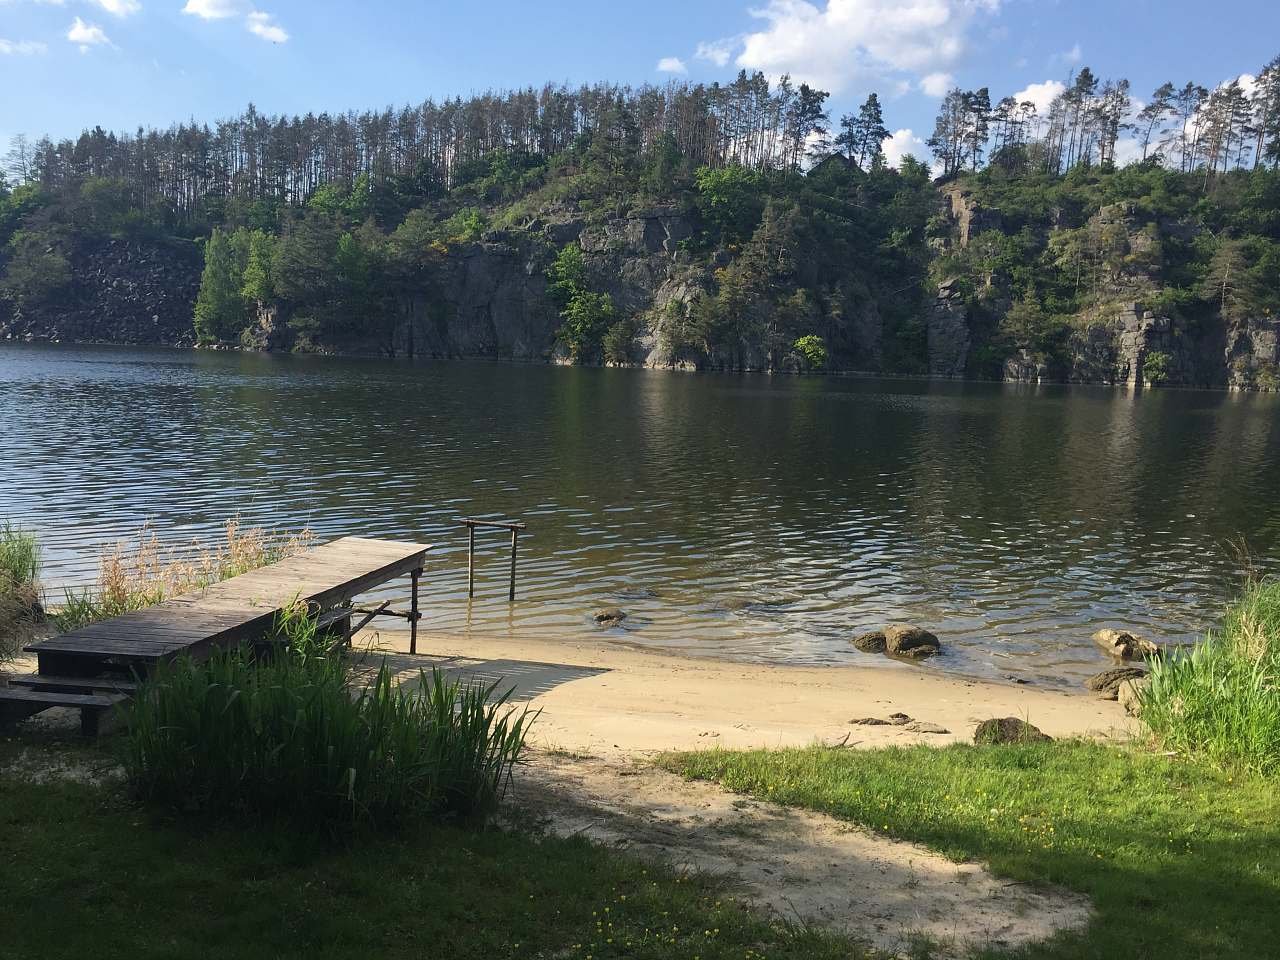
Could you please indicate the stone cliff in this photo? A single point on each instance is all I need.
(489, 299)
(121, 291)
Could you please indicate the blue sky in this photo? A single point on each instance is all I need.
(69, 64)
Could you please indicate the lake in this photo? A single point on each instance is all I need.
(751, 517)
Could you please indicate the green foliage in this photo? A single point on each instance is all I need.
(221, 312)
(584, 320)
(37, 271)
(731, 200)
(1222, 699)
(813, 350)
(290, 737)
(1179, 860)
(19, 592)
(257, 286)
(585, 316)
(617, 342)
(1155, 367)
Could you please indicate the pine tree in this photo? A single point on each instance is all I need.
(220, 308)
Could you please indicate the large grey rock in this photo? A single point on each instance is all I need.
(1130, 692)
(873, 642)
(609, 617)
(915, 643)
(1108, 682)
(1125, 645)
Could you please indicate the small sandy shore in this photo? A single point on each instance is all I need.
(614, 701)
(606, 709)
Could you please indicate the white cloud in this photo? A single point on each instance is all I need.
(1074, 55)
(1128, 150)
(86, 35)
(904, 142)
(212, 9)
(718, 51)
(119, 8)
(846, 41)
(936, 84)
(1041, 94)
(262, 25)
(671, 65)
(21, 48)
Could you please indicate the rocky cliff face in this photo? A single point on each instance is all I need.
(1112, 341)
(490, 300)
(122, 291)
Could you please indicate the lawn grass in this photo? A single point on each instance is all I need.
(1182, 860)
(86, 872)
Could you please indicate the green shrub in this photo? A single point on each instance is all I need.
(1155, 368)
(288, 736)
(19, 592)
(1223, 698)
(813, 351)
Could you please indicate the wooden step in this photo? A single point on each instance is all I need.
(39, 681)
(18, 703)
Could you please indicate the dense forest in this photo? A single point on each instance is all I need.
(715, 226)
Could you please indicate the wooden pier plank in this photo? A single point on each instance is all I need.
(243, 606)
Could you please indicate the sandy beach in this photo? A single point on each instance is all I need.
(609, 700)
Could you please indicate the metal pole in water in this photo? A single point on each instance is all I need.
(512, 594)
(471, 560)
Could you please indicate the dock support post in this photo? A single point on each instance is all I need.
(471, 561)
(511, 595)
(413, 611)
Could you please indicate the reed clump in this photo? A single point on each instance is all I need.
(288, 736)
(1222, 699)
(20, 606)
(140, 574)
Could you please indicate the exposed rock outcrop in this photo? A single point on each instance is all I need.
(135, 291)
(948, 332)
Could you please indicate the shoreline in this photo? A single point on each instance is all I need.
(1125, 386)
(614, 701)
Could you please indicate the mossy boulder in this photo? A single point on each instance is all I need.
(873, 642)
(1008, 730)
(914, 643)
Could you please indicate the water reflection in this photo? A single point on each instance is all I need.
(755, 517)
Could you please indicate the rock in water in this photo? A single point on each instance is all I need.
(1129, 693)
(609, 617)
(1008, 730)
(914, 643)
(873, 642)
(1125, 645)
(1107, 682)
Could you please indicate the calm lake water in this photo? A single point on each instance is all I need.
(736, 516)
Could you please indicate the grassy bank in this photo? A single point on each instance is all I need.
(1223, 699)
(1180, 859)
(87, 872)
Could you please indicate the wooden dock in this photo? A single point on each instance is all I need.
(95, 668)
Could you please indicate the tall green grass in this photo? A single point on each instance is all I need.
(288, 736)
(19, 591)
(1222, 699)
